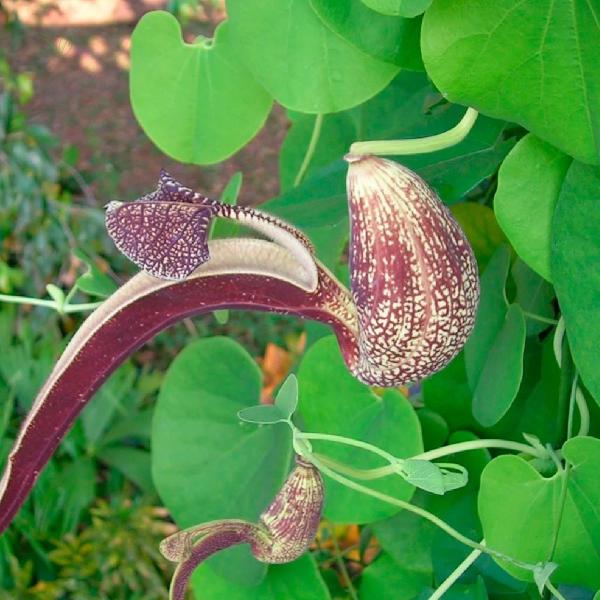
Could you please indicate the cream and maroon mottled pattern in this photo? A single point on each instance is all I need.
(414, 276)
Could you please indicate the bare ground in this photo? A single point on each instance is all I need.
(78, 53)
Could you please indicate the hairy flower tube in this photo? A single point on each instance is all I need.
(411, 306)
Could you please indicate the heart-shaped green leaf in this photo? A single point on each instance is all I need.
(392, 39)
(334, 402)
(299, 579)
(575, 272)
(206, 464)
(187, 97)
(533, 63)
(536, 519)
(529, 182)
(283, 44)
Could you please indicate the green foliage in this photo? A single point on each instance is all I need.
(559, 512)
(529, 182)
(345, 71)
(278, 40)
(575, 256)
(204, 462)
(402, 8)
(527, 62)
(366, 416)
(494, 352)
(299, 580)
(389, 39)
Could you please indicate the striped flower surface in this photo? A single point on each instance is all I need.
(412, 303)
(283, 533)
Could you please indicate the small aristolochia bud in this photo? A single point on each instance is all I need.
(283, 533)
(413, 273)
(293, 516)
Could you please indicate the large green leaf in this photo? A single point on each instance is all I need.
(529, 182)
(494, 352)
(392, 39)
(536, 519)
(408, 538)
(534, 63)
(385, 579)
(332, 401)
(404, 8)
(187, 97)
(299, 580)
(575, 272)
(206, 464)
(299, 60)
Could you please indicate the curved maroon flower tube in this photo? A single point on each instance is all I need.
(414, 293)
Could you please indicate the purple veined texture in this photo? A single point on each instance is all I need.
(283, 533)
(166, 232)
(414, 297)
(414, 277)
(242, 274)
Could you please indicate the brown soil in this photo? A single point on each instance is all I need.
(78, 53)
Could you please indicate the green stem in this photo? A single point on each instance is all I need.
(326, 437)
(557, 342)
(416, 510)
(584, 412)
(312, 145)
(27, 300)
(341, 564)
(66, 308)
(453, 577)
(565, 386)
(554, 591)
(478, 444)
(539, 318)
(365, 474)
(419, 145)
(72, 308)
(430, 455)
(572, 406)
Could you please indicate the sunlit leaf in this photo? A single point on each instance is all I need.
(575, 260)
(186, 96)
(533, 63)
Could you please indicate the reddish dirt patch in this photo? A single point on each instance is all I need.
(78, 54)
